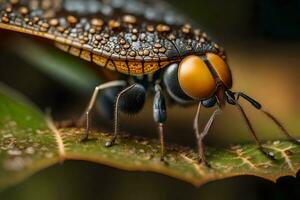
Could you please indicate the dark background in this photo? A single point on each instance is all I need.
(262, 39)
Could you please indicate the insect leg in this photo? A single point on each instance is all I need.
(160, 115)
(200, 136)
(86, 115)
(130, 100)
(269, 115)
(268, 154)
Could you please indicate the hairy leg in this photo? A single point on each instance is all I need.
(86, 115)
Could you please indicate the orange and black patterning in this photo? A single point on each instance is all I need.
(129, 36)
(138, 38)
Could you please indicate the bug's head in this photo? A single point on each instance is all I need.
(202, 77)
(208, 79)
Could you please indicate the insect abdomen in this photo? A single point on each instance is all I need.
(119, 40)
(132, 67)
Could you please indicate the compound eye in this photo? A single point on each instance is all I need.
(221, 68)
(195, 79)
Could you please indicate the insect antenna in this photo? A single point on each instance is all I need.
(280, 125)
(236, 103)
(268, 114)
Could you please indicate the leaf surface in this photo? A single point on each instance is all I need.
(28, 144)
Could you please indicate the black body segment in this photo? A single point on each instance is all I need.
(160, 115)
(107, 101)
(159, 106)
(132, 101)
(171, 83)
(208, 103)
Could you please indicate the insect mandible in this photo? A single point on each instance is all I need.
(151, 44)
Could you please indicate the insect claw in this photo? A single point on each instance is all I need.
(109, 143)
(204, 162)
(164, 161)
(296, 141)
(270, 155)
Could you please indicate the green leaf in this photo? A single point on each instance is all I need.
(27, 145)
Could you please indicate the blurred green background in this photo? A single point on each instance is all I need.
(262, 39)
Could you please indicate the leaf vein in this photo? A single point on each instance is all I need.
(58, 138)
(285, 156)
(195, 164)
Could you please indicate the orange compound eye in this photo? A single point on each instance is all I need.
(195, 79)
(221, 68)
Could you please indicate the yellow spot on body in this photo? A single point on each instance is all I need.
(121, 66)
(74, 51)
(135, 67)
(60, 39)
(97, 22)
(150, 28)
(186, 28)
(162, 28)
(110, 65)
(5, 19)
(129, 19)
(8, 9)
(50, 36)
(23, 10)
(62, 46)
(53, 22)
(72, 20)
(150, 67)
(164, 64)
(113, 24)
(60, 29)
(99, 60)
(86, 55)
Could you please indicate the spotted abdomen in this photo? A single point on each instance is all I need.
(127, 36)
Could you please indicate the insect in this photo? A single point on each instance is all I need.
(150, 44)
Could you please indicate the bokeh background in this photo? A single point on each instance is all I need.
(262, 39)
